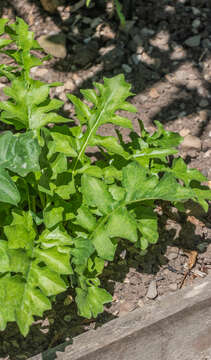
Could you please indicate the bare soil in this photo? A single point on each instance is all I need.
(165, 53)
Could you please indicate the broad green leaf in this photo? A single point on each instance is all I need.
(147, 225)
(49, 281)
(39, 119)
(110, 143)
(11, 288)
(57, 237)
(26, 155)
(8, 190)
(202, 194)
(164, 138)
(19, 154)
(151, 153)
(4, 257)
(85, 218)
(140, 186)
(90, 302)
(107, 99)
(121, 121)
(96, 193)
(137, 183)
(55, 260)
(181, 171)
(62, 144)
(2, 25)
(34, 302)
(65, 191)
(83, 249)
(117, 192)
(37, 95)
(52, 216)
(58, 165)
(4, 42)
(20, 233)
(122, 224)
(104, 246)
(82, 110)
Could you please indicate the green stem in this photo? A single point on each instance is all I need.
(27, 193)
(42, 199)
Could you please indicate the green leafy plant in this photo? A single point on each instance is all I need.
(62, 215)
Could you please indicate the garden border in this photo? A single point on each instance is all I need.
(175, 327)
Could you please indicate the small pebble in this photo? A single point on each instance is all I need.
(191, 142)
(172, 256)
(152, 290)
(126, 307)
(136, 58)
(193, 41)
(184, 132)
(126, 68)
(207, 154)
(196, 23)
(173, 287)
(203, 103)
(140, 303)
(196, 11)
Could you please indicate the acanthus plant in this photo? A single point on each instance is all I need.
(61, 215)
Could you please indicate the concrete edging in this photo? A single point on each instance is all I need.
(177, 327)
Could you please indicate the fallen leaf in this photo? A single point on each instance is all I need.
(192, 256)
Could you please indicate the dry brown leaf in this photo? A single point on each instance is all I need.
(192, 256)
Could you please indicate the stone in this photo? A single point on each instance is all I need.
(207, 154)
(126, 307)
(146, 32)
(54, 44)
(96, 22)
(113, 58)
(172, 256)
(193, 41)
(184, 132)
(196, 11)
(140, 303)
(191, 142)
(203, 103)
(173, 287)
(136, 58)
(129, 24)
(206, 43)
(50, 5)
(154, 93)
(126, 68)
(85, 54)
(196, 23)
(41, 71)
(152, 290)
(138, 41)
(69, 85)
